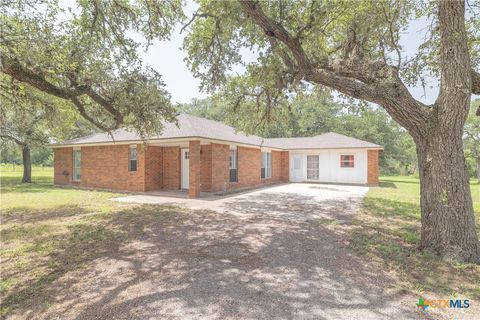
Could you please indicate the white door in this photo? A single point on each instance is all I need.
(185, 168)
(297, 168)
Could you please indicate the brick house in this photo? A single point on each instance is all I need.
(201, 155)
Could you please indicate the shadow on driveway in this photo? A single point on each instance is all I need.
(254, 258)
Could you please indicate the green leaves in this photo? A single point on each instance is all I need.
(87, 55)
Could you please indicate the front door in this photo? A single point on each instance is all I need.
(185, 167)
(297, 168)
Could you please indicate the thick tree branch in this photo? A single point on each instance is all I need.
(14, 68)
(377, 83)
(10, 137)
(255, 12)
(83, 113)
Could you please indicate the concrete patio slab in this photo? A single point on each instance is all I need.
(337, 201)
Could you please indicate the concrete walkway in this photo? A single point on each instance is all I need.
(300, 199)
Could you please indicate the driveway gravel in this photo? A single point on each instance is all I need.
(267, 254)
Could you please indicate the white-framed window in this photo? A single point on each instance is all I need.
(132, 159)
(312, 167)
(233, 165)
(77, 162)
(266, 167)
(347, 161)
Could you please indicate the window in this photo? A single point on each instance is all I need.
(312, 168)
(187, 155)
(132, 159)
(347, 161)
(233, 166)
(77, 160)
(266, 170)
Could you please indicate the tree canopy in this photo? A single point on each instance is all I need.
(87, 56)
(353, 47)
(316, 112)
(326, 43)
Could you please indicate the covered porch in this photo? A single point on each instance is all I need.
(173, 168)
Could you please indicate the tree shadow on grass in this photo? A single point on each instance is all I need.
(24, 215)
(392, 208)
(85, 241)
(393, 181)
(387, 184)
(389, 232)
(258, 262)
(13, 184)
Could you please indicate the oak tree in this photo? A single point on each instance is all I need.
(87, 55)
(354, 48)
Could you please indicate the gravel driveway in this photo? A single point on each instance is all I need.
(267, 254)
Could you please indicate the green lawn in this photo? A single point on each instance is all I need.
(47, 231)
(387, 230)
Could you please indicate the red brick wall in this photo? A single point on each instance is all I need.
(107, 167)
(372, 167)
(63, 162)
(220, 167)
(206, 168)
(171, 168)
(153, 168)
(285, 166)
(276, 166)
(248, 167)
(194, 169)
(159, 167)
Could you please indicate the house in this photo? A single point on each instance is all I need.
(208, 156)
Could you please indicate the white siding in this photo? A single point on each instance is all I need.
(329, 165)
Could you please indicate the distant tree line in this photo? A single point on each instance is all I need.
(317, 112)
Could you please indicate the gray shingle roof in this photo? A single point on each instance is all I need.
(188, 126)
(191, 126)
(329, 140)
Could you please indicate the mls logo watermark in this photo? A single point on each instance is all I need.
(443, 303)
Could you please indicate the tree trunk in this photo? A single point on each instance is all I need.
(448, 221)
(27, 164)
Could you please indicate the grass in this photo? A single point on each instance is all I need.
(47, 231)
(387, 230)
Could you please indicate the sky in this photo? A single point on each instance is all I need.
(168, 59)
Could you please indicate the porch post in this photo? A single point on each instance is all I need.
(194, 169)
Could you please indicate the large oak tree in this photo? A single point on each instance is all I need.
(354, 48)
(87, 56)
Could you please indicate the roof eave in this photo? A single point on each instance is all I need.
(179, 139)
